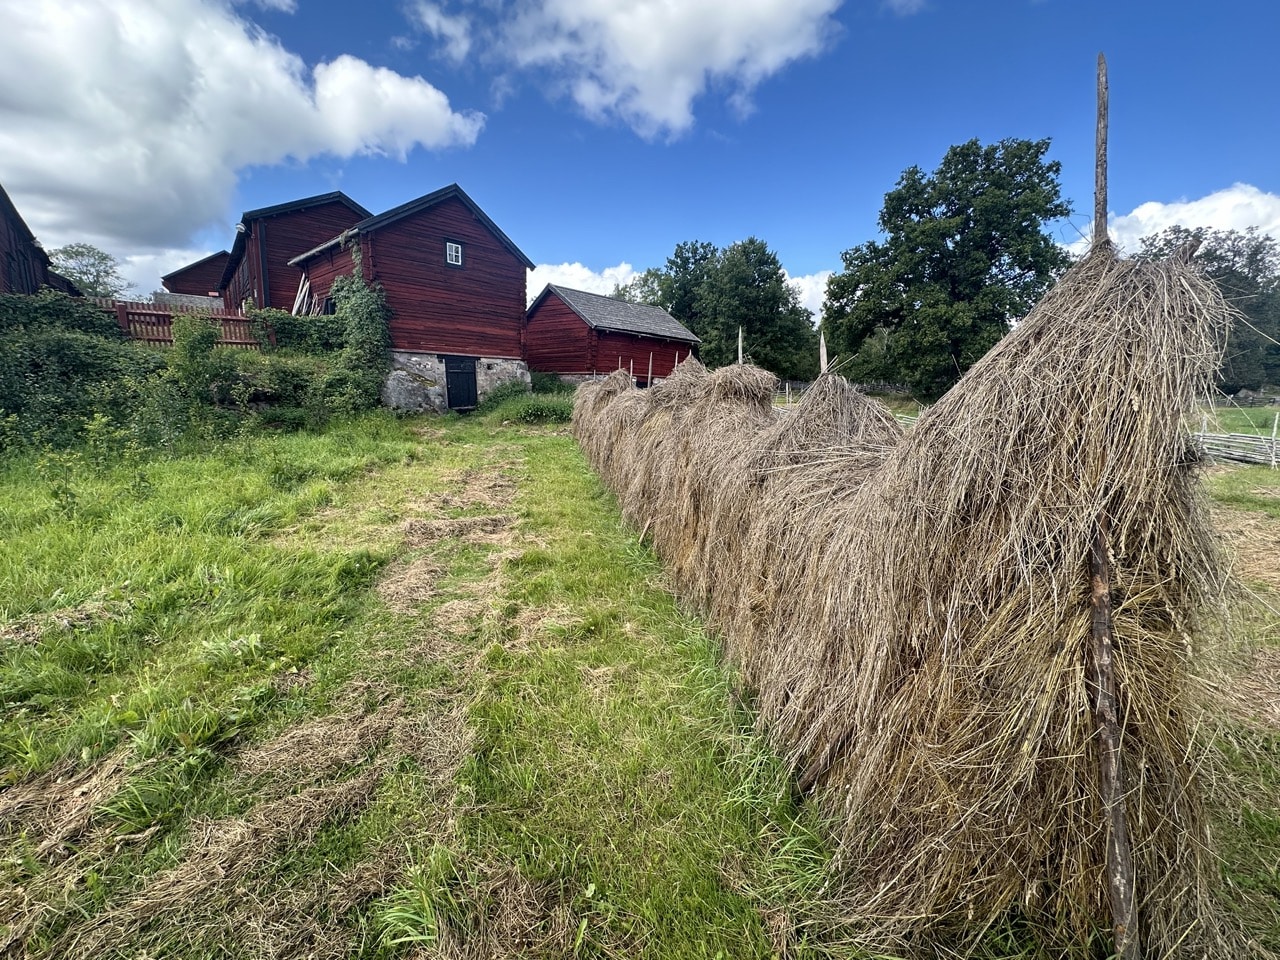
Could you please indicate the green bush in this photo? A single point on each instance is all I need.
(550, 383)
(537, 409)
(64, 362)
(318, 335)
(501, 394)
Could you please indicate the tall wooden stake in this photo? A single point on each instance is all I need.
(739, 344)
(1102, 686)
(1100, 162)
(649, 382)
(822, 351)
(1106, 715)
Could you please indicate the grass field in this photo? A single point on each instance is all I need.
(1249, 420)
(411, 688)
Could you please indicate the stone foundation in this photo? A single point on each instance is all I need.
(416, 383)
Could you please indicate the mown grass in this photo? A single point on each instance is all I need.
(556, 763)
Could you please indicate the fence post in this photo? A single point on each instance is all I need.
(1275, 422)
(122, 316)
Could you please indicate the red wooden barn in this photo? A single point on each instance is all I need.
(24, 265)
(199, 279)
(257, 270)
(577, 334)
(455, 284)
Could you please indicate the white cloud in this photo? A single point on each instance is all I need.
(576, 276)
(645, 62)
(454, 32)
(812, 288)
(282, 6)
(1236, 207)
(126, 122)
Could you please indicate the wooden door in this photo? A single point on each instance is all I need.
(460, 382)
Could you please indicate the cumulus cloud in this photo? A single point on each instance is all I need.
(1236, 207)
(454, 32)
(576, 276)
(646, 62)
(126, 122)
(812, 288)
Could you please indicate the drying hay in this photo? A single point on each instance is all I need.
(915, 614)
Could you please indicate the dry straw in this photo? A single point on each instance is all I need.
(914, 613)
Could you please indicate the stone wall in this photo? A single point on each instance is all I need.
(416, 383)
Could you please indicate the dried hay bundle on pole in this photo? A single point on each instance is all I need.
(935, 687)
(768, 510)
(974, 645)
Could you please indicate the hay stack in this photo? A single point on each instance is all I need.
(916, 613)
(932, 691)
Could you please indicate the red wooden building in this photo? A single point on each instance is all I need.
(455, 284)
(577, 334)
(199, 279)
(24, 265)
(257, 269)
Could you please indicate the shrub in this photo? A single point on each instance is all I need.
(550, 383)
(536, 409)
(501, 394)
(315, 335)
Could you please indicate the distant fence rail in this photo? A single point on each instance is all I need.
(1239, 447)
(153, 323)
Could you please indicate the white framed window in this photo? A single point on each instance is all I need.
(453, 253)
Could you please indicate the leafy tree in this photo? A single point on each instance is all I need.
(965, 254)
(1246, 267)
(713, 292)
(748, 289)
(94, 271)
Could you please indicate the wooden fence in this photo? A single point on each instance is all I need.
(153, 324)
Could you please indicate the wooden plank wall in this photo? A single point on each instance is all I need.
(557, 340)
(22, 267)
(622, 349)
(473, 310)
(200, 279)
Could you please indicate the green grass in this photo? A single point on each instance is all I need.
(1247, 488)
(535, 750)
(1249, 420)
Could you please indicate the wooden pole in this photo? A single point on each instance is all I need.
(1100, 159)
(1101, 681)
(822, 351)
(739, 344)
(649, 382)
(1275, 422)
(1103, 694)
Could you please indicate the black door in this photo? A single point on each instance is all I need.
(460, 382)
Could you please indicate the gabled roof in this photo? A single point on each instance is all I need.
(293, 206)
(608, 313)
(198, 263)
(409, 209)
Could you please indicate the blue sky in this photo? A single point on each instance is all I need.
(599, 134)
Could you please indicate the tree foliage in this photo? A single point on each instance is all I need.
(95, 272)
(1246, 267)
(965, 254)
(713, 292)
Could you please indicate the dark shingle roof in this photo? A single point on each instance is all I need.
(607, 313)
(410, 208)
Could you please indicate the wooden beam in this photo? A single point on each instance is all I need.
(1103, 695)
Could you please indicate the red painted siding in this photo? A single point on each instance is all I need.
(622, 349)
(272, 242)
(200, 278)
(557, 340)
(23, 267)
(473, 310)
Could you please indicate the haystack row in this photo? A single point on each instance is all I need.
(914, 615)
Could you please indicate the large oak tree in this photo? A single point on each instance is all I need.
(965, 254)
